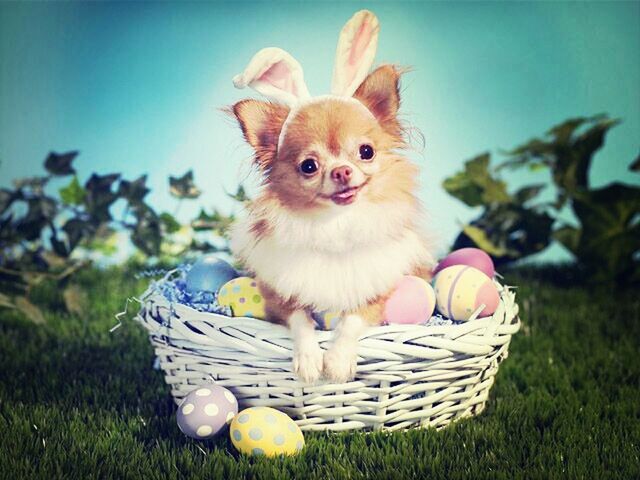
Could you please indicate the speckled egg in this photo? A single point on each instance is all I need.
(460, 290)
(326, 320)
(473, 257)
(413, 301)
(208, 274)
(206, 411)
(265, 431)
(243, 296)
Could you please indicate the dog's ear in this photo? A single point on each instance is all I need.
(380, 93)
(261, 123)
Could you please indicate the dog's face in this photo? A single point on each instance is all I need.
(334, 153)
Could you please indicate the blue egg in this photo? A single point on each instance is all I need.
(208, 274)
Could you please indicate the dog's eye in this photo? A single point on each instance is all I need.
(308, 166)
(366, 152)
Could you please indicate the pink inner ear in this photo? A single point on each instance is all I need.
(279, 75)
(359, 44)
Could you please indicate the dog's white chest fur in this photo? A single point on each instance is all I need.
(332, 262)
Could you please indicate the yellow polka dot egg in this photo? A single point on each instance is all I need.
(243, 297)
(265, 431)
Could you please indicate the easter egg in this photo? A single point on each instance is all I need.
(243, 296)
(326, 320)
(473, 257)
(206, 411)
(461, 289)
(412, 301)
(208, 274)
(265, 431)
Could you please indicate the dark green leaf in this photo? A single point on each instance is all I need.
(609, 242)
(569, 237)
(76, 230)
(134, 191)
(60, 163)
(58, 246)
(508, 231)
(525, 194)
(183, 187)
(7, 197)
(99, 197)
(171, 225)
(40, 213)
(146, 234)
(240, 195)
(635, 166)
(475, 185)
(73, 194)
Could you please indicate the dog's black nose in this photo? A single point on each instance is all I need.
(342, 175)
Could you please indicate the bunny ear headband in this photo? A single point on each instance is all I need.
(277, 75)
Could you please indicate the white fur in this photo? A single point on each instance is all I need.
(340, 361)
(339, 259)
(307, 354)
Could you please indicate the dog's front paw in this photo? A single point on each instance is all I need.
(340, 364)
(307, 363)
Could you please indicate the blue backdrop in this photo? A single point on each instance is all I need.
(137, 87)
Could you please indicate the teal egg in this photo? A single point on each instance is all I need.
(208, 274)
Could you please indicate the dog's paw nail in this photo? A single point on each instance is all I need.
(340, 365)
(307, 364)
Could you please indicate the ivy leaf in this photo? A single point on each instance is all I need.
(483, 242)
(40, 213)
(215, 221)
(58, 246)
(183, 187)
(76, 230)
(32, 312)
(146, 234)
(134, 191)
(73, 194)
(171, 225)
(60, 163)
(240, 195)
(525, 194)
(99, 197)
(609, 242)
(635, 166)
(7, 197)
(475, 185)
(568, 237)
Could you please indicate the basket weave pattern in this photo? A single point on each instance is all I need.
(407, 375)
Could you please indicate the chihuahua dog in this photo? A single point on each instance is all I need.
(336, 224)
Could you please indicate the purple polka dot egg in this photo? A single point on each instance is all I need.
(206, 411)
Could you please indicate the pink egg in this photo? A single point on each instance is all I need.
(473, 257)
(413, 301)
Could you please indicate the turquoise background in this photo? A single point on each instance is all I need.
(137, 87)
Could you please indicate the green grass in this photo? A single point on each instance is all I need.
(77, 401)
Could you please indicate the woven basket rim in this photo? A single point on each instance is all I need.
(187, 312)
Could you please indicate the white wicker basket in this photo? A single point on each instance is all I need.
(407, 376)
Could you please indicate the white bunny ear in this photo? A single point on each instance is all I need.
(275, 74)
(355, 53)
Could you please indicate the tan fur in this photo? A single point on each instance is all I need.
(329, 126)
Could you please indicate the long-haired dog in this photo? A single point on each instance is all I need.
(337, 223)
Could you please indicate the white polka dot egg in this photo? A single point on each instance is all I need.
(265, 431)
(206, 411)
